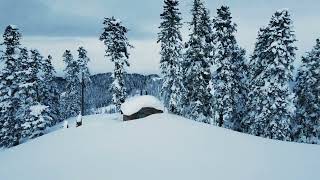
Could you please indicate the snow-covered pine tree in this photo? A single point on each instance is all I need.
(49, 95)
(207, 34)
(10, 125)
(71, 104)
(62, 105)
(258, 58)
(196, 67)
(270, 100)
(35, 65)
(40, 118)
(307, 90)
(116, 42)
(229, 82)
(241, 89)
(258, 61)
(26, 92)
(84, 74)
(171, 56)
(35, 114)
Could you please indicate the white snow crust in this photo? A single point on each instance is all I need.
(134, 104)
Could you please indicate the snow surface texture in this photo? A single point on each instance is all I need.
(134, 104)
(158, 147)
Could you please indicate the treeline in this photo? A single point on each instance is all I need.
(209, 79)
(29, 98)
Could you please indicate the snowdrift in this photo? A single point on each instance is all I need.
(166, 147)
(134, 104)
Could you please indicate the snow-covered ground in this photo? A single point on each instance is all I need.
(159, 147)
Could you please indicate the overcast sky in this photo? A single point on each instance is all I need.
(55, 25)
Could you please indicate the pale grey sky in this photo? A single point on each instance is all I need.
(55, 25)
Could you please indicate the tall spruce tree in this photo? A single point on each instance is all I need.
(26, 91)
(258, 61)
(114, 37)
(35, 114)
(270, 100)
(198, 105)
(71, 102)
(230, 77)
(259, 56)
(35, 64)
(84, 74)
(10, 125)
(307, 90)
(171, 56)
(49, 91)
(241, 88)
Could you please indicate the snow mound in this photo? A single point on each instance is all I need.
(158, 147)
(134, 104)
(166, 147)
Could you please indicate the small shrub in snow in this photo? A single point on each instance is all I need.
(65, 124)
(79, 120)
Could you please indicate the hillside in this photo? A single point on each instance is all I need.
(156, 148)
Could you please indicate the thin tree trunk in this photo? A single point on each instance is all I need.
(220, 119)
(82, 95)
(79, 121)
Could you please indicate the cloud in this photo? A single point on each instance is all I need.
(55, 25)
(78, 18)
(84, 18)
(144, 57)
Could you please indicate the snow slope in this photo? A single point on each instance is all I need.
(159, 147)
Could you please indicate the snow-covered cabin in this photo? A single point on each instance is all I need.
(141, 106)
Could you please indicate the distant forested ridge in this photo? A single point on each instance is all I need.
(98, 93)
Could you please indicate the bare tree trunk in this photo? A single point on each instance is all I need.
(220, 119)
(79, 121)
(82, 95)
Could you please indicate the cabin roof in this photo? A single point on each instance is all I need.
(135, 104)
